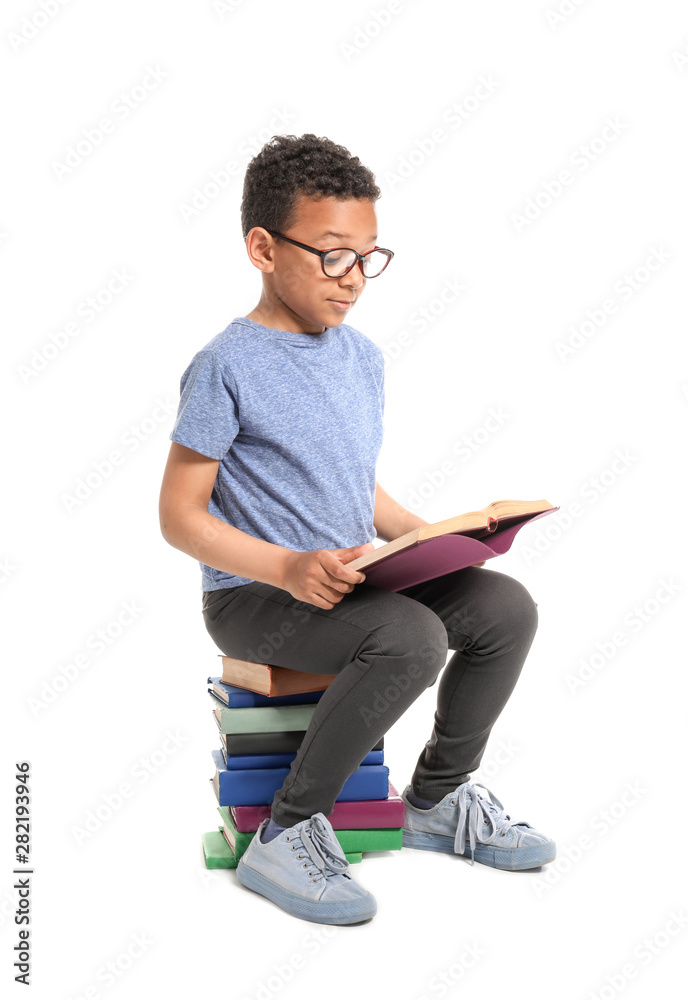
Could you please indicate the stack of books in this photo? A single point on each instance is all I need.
(262, 713)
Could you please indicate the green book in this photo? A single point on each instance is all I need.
(218, 853)
(351, 841)
(263, 719)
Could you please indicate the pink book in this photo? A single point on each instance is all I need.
(435, 549)
(371, 814)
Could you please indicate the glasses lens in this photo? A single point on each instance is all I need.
(374, 263)
(338, 262)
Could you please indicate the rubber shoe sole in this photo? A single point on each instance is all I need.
(346, 912)
(515, 859)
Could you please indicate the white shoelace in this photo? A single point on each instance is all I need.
(323, 852)
(481, 818)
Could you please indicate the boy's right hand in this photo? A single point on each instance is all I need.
(321, 577)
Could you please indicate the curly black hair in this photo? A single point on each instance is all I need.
(289, 165)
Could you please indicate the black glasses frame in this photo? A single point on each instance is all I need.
(322, 254)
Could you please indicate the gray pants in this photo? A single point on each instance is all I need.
(386, 649)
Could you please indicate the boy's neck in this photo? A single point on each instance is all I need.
(275, 320)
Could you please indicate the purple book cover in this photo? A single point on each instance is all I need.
(353, 815)
(434, 557)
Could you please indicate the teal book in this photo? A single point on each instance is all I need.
(263, 719)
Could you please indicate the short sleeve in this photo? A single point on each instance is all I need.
(208, 415)
(381, 380)
(382, 390)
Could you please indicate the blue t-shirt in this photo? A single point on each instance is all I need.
(296, 420)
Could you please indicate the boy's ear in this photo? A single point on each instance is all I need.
(259, 247)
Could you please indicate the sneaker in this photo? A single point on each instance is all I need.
(305, 871)
(465, 818)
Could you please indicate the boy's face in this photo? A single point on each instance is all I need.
(300, 297)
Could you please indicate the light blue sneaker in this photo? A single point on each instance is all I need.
(465, 818)
(305, 871)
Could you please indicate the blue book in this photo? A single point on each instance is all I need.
(257, 786)
(237, 697)
(244, 761)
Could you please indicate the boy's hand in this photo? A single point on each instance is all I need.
(321, 577)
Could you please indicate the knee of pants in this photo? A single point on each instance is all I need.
(417, 640)
(517, 610)
(501, 615)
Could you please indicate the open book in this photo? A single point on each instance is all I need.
(455, 543)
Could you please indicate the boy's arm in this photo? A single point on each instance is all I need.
(391, 519)
(187, 525)
(320, 577)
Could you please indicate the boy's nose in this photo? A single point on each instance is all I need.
(354, 279)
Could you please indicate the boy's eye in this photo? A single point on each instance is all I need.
(333, 258)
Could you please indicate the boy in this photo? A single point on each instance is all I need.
(270, 485)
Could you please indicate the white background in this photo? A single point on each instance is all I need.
(614, 575)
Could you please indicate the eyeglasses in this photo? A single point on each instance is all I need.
(339, 261)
